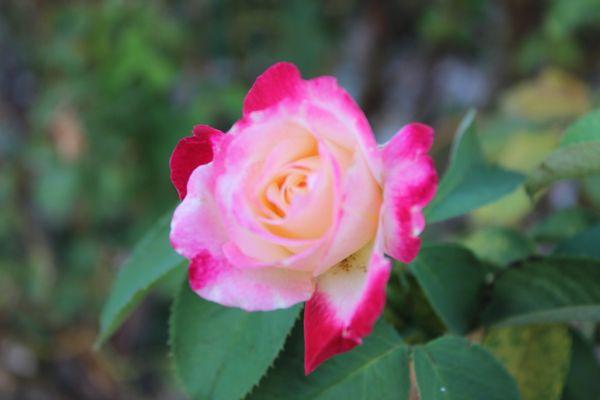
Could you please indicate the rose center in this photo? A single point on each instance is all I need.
(291, 183)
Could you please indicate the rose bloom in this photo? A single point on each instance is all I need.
(298, 203)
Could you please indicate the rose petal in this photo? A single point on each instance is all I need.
(214, 279)
(348, 300)
(240, 171)
(189, 153)
(197, 232)
(283, 81)
(410, 182)
(358, 217)
(332, 99)
(278, 82)
(196, 225)
(412, 141)
(311, 215)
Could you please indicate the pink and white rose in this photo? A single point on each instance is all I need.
(298, 203)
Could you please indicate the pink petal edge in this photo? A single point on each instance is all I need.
(189, 153)
(279, 81)
(266, 289)
(410, 182)
(334, 320)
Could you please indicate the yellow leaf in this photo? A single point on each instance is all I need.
(554, 94)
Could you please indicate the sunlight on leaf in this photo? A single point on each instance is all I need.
(537, 356)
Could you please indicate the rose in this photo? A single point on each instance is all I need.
(298, 203)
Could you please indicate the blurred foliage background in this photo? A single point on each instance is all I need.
(94, 95)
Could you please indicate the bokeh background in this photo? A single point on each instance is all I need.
(95, 94)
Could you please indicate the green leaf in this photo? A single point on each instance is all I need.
(585, 129)
(556, 289)
(563, 224)
(499, 246)
(591, 190)
(584, 244)
(470, 181)
(582, 380)
(221, 353)
(578, 155)
(537, 356)
(452, 368)
(452, 279)
(574, 161)
(150, 260)
(377, 370)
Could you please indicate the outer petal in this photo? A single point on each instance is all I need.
(348, 300)
(196, 225)
(278, 82)
(264, 289)
(189, 153)
(410, 182)
(412, 141)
